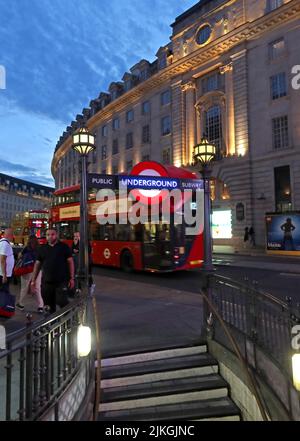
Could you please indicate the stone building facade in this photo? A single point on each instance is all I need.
(230, 71)
(19, 196)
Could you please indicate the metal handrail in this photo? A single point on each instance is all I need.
(40, 362)
(263, 293)
(263, 410)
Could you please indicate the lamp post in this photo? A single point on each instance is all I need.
(83, 143)
(205, 153)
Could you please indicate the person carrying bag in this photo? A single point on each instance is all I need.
(24, 268)
(7, 300)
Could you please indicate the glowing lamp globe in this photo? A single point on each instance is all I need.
(83, 141)
(205, 152)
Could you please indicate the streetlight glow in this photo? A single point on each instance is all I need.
(83, 141)
(296, 370)
(84, 340)
(205, 152)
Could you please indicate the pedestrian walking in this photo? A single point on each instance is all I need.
(7, 260)
(56, 262)
(29, 254)
(246, 237)
(252, 237)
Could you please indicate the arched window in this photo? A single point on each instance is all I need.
(213, 126)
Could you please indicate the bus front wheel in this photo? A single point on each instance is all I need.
(127, 261)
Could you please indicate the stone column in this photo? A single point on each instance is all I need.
(240, 92)
(190, 121)
(178, 133)
(227, 70)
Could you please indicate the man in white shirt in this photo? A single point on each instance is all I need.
(7, 260)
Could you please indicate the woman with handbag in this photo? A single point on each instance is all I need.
(24, 268)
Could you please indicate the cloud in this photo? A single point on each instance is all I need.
(23, 172)
(59, 55)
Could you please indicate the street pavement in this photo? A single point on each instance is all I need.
(255, 258)
(135, 316)
(280, 276)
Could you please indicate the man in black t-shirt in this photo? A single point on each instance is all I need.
(56, 262)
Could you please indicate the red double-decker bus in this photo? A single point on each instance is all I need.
(33, 222)
(163, 245)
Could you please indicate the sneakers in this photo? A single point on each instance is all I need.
(19, 306)
(41, 310)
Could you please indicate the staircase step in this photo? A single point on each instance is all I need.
(155, 355)
(164, 387)
(160, 400)
(161, 365)
(159, 376)
(197, 410)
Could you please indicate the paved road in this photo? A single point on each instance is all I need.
(274, 274)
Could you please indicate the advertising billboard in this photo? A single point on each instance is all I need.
(222, 224)
(283, 233)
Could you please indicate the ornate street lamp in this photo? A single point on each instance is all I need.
(83, 143)
(205, 153)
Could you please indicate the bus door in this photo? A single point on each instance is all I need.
(157, 246)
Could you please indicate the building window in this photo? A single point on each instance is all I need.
(94, 156)
(116, 124)
(162, 62)
(280, 132)
(283, 193)
(129, 165)
(274, 4)
(204, 34)
(145, 158)
(277, 49)
(278, 86)
(104, 171)
(104, 131)
(129, 140)
(127, 85)
(166, 156)
(114, 94)
(144, 74)
(115, 169)
(146, 108)
(104, 152)
(213, 127)
(146, 134)
(115, 147)
(166, 125)
(129, 116)
(165, 98)
(210, 83)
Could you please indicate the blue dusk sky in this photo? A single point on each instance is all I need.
(60, 54)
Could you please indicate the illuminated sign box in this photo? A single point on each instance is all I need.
(222, 224)
(283, 233)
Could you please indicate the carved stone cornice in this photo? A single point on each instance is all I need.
(226, 68)
(248, 31)
(210, 99)
(188, 86)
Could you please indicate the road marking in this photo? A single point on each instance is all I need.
(290, 274)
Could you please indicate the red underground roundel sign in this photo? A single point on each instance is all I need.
(150, 168)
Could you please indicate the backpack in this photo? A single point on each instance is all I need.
(25, 264)
(7, 304)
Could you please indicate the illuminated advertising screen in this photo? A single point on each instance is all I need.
(283, 233)
(222, 224)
